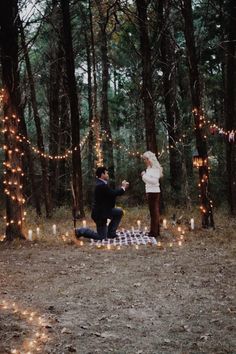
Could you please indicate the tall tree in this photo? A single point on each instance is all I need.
(147, 80)
(74, 109)
(10, 80)
(230, 102)
(54, 53)
(169, 69)
(96, 131)
(40, 140)
(198, 113)
(104, 9)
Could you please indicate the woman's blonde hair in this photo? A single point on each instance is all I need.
(155, 163)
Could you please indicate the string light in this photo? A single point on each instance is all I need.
(39, 335)
(96, 130)
(201, 162)
(40, 153)
(12, 166)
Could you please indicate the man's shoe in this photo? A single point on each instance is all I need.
(112, 236)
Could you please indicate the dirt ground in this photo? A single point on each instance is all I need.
(59, 297)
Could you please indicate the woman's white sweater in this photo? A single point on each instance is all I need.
(151, 179)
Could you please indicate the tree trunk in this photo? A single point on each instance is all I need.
(89, 190)
(105, 121)
(147, 86)
(54, 109)
(29, 164)
(96, 132)
(199, 119)
(168, 66)
(63, 180)
(40, 143)
(11, 102)
(230, 105)
(74, 111)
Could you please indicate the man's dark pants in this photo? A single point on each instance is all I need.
(103, 231)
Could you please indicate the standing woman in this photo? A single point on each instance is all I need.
(151, 179)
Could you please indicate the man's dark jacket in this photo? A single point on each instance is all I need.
(104, 200)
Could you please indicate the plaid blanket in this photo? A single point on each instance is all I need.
(125, 238)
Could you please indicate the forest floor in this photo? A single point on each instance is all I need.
(61, 297)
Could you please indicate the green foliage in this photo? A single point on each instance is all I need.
(125, 99)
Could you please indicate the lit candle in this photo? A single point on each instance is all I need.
(165, 224)
(132, 229)
(192, 224)
(30, 235)
(37, 231)
(84, 223)
(54, 229)
(145, 229)
(158, 244)
(179, 229)
(139, 224)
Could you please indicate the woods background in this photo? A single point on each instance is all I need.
(91, 82)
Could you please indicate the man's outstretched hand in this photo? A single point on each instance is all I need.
(125, 184)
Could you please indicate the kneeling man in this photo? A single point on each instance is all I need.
(104, 208)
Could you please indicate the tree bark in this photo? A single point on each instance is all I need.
(74, 111)
(11, 102)
(147, 86)
(230, 105)
(40, 142)
(199, 119)
(105, 121)
(168, 65)
(54, 108)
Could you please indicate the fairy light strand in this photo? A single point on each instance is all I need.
(12, 167)
(37, 323)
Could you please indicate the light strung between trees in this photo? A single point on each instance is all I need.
(12, 170)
